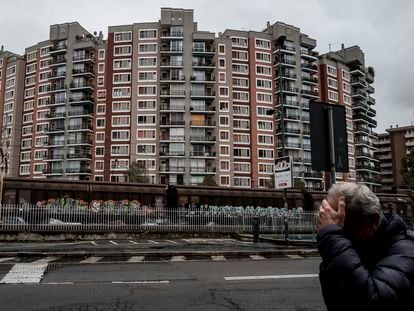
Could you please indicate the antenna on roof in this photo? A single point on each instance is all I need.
(329, 47)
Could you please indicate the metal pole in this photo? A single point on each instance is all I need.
(282, 121)
(331, 145)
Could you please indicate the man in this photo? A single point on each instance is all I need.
(367, 259)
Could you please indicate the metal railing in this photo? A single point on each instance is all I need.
(105, 217)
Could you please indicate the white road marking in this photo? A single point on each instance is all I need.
(91, 260)
(153, 242)
(257, 257)
(94, 243)
(7, 259)
(28, 272)
(218, 258)
(267, 277)
(114, 243)
(133, 242)
(136, 259)
(58, 283)
(178, 258)
(140, 282)
(295, 256)
(185, 240)
(173, 242)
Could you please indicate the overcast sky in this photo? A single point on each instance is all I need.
(382, 28)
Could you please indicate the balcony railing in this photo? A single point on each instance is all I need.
(202, 123)
(78, 170)
(172, 122)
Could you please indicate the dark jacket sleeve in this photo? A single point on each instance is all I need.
(346, 283)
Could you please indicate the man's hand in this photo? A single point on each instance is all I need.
(328, 216)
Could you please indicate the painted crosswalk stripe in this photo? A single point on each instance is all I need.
(91, 260)
(153, 242)
(28, 272)
(268, 277)
(141, 282)
(218, 258)
(257, 257)
(173, 242)
(94, 243)
(133, 242)
(295, 256)
(7, 259)
(178, 258)
(114, 243)
(136, 259)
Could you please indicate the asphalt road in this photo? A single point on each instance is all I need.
(177, 284)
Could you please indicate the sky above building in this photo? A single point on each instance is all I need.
(382, 28)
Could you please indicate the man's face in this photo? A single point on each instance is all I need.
(356, 226)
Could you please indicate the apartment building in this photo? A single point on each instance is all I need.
(12, 68)
(354, 79)
(187, 105)
(392, 146)
(59, 98)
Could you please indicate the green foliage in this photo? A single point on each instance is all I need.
(137, 173)
(209, 181)
(407, 170)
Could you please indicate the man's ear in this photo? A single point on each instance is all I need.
(374, 221)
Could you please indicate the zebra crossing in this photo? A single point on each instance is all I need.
(15, 270)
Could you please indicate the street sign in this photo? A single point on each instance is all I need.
(319, 130)
(283, 173)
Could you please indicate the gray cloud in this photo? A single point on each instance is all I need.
(381, 28)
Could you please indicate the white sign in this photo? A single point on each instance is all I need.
(283, 173)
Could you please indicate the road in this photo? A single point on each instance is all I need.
(176, 283)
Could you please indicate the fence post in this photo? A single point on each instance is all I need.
(286, 226)
(256, 229)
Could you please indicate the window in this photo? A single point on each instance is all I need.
(100, 137)
(242, 138)
(120, 135)
(241, 124)
(101, 81)
(31, 68)
(148, 34)
(241, 110)
(11, 71)
(224, 135)
(99, 166)
(25, 169)
(146, 105)
(10, 94)
(147, 62)
(146, 120)
(264, 98)
(263, 57)
(222, 49)
(10, 82)
(345, 75)
(225, 181)
(122, 50)
(265, 139)
(45, 63)
(150, 90)
(121, 92)
(265, 125)
(120, 150)
(44, 51)
(239, 41)
(100, 108)
(241, 96)
(147, 48)
(147, 76)
(122, 106)
(120, 120)
(265, 168)
(241, 68)
(224, 150)
(224, 91)
(101, 68)
(224, 106)
(222, 77)
(123, 36)
(332, 83)
(266, 153)
(331, 71)
(43, 76)
(240, 55)
(25, 156)
(100, 123)
(101, 94)
(241, 82)
(146, 149)
(27, 117)
(122, 64)
(99, 151)
(43, 101)
(262, 44)
(146, 134)
(264, 84)
(241, 152)
(101, 54)
(222, 63)
(264, 70)
(241, 167)
(224, 121)
(346, 87)
(224, 165)
(121, 78)
(332, 95)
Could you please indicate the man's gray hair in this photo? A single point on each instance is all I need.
(358, 197)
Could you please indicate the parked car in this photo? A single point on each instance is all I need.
(13, 220)
(53, 221)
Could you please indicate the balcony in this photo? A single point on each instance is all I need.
(288, 89)
(57, 87)
(287, 75)
(87, 58)
(167, 107)
(203, 154)
(203, 79)
(204, 110)
(288, 116)
(171, 50)
(362, 129)
(364, 154)
(290, 103)
(83, 72)
(58, 49)
(53, 171)
(55, 130)
(203, 139)
(291, 146)
(285, 62)
(81, 100)
(360, 104)
(166, 153)
(81, 85)
(309, 67)
(54, 75)
(84, 141)
(80, 113)
(371, 100)
(309, 93)
(292, 131)
(54, 143)
(167, 35)
(78, 156)
(203, 51)
(312, 175)
(174, 138)
(172, 93)
(55, 115)
(84, 127)
(180, 123)
(357, 70)
(54, 157)
(57, 61)
(204, 65)
(202, 170)
(202, 94)
(366, 168)
(306, 54)
(201, 123)
(359, 94)
(78, 170)
(358, 82)
(167, 169)
(172, 78)
(306, 146)
(171, 64)
(310, 80)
